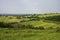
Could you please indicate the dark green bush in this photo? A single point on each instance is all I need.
(18, 17)
(21, 26)
(34, 19)
(24, 21)
(10, 17)
(41, 28)
(36, 28)
(50, 28)
(30, 26)
(10, 25)
(57, 29)
(53, 18)
(5, 25)
(18, 25)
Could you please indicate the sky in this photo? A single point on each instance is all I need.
(29, 6)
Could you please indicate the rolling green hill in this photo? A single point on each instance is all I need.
(30, 27)
(45, 20)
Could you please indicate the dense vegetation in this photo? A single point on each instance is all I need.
(30, 27)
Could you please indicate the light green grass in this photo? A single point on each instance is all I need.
(41, 23)
(28, 34)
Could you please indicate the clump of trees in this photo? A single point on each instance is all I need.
(5, 25)
(53, 18)
(18, 25)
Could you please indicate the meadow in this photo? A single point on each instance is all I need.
(30, 27)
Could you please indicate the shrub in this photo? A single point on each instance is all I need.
(1, 24)
(24, 21)
(57, 29)
(10, 17)
(17, 26)
(21, 26)
(34, 19)
(30, 26)
(18, 17)
(5, 25)
(41, 28)
(50, 28)
(36, 28)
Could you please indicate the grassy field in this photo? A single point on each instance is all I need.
(28, 34)
(50, 23)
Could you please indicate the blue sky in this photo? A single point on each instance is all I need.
(29, 6)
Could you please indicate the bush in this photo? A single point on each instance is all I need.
(21, 26)
(34, 19)
(36, 28)
(1, 24)
(57, 29)
(50, 28)
(10, 25)
(10, 17)
(30, 26)
(5, 25)
(24, 21)
(17, 26)
(18, 17)
(41, 28)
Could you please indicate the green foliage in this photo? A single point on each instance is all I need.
(18, 17)
(34, 19)
(24, 21)
(10, 18)
(5, 25)
(30, 26)
(50, 28)
(53, 18)
(57, 29)
(41, 28)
